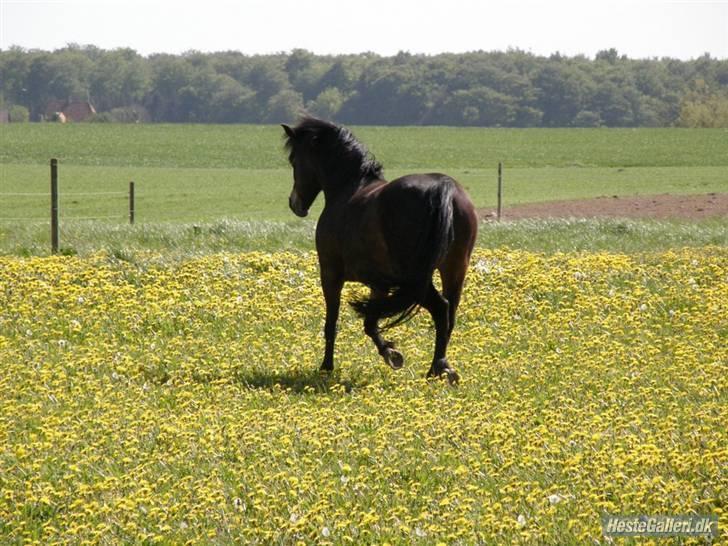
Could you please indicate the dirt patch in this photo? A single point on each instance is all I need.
(638, 206)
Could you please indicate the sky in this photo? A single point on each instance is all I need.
(638, 28)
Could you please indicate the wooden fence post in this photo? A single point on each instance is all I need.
(500, 189)
(131, 203)
(54, 206)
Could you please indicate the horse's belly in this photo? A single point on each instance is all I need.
(376, 273)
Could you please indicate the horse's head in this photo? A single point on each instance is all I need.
(306, 183)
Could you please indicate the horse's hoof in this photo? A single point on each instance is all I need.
(445, 372)
(393, 358)
(452, 376)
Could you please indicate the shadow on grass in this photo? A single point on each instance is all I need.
(299, 381)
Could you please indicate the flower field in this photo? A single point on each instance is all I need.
(169, 401)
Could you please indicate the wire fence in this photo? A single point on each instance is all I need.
(38, 219)
(55, 197)
(64, 195)
(46, 218)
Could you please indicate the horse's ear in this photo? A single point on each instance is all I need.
(290, 132)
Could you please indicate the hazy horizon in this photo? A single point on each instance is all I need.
(643, 29)
(333, 54)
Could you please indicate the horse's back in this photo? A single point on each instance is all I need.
(405, 212)
(421, 182)
(410, 197)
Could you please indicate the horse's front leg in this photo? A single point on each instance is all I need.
(385, 348)
(331, 285)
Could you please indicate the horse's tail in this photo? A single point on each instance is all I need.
(435, 237)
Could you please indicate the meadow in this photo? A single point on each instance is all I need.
(233, 175)
(162, 402)
(204, 172)
(159, 382)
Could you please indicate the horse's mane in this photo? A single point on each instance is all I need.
(339, 145)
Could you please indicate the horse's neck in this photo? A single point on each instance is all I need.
(341, 191)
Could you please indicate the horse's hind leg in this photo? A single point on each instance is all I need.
(385, 348)
(439, 308)
(452, 273)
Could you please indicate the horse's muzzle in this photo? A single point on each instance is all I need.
(296, 206)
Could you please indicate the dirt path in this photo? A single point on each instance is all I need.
(642, 206)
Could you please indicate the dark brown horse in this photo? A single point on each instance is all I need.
(390, 236)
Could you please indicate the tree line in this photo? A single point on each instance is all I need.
(492, 89)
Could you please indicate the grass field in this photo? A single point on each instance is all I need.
(179, 241)
(193, 194)
(259, 147)
(159, 383)
(201, 174)
(162, 402)
(196, 173)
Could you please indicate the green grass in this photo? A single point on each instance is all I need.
(191, 174)
(162, 194)
(259, 147)
(181, 240)
(189, 194)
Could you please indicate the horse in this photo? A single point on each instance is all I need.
(389, 236)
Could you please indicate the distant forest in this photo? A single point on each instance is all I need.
(488, 89)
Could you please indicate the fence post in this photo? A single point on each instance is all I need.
(131, 203)
(54, 206)
(500, 189)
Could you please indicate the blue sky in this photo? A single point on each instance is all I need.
(638, 28)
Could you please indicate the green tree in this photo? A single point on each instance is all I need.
(511, 88)
(284, 107)
(14, 70)
(392, 93)
(231, 102)
(268, 79)
(18, 114)
(305, 71)
(613, 105)
(119, 78)
(170, 75)
(480, 106)
(587, 118)
(704, 110)
(328, 103)
(561, 90)
(338, 76)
